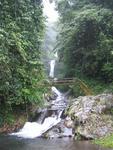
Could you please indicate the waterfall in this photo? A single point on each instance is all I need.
(35, 129)
(52, 66)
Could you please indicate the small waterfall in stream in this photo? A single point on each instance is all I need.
(35, 129)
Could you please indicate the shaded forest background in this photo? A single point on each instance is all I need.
(85, 41)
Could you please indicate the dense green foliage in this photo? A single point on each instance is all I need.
(85, 43)
(21, 32)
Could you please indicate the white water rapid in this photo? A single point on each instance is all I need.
(35, 129)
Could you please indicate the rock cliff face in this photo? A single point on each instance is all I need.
(92, 116)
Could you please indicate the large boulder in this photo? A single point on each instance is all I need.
(92, 116)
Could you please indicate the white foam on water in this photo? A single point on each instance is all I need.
(34, 129)
(54, 89)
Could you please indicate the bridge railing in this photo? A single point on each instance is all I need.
(67, 81)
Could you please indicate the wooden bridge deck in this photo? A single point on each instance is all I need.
(67, 81)
(64, 81)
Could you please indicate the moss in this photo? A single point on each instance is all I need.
(105, 142)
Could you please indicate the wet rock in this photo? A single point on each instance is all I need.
(59, 131)
(37, 115)
(69, 123)
(92, 116)
(50, 96)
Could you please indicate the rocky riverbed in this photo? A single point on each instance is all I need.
(86, 117)
(92, 116)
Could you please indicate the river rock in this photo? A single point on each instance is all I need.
(68, 122)
(50, 96)
(59, 131)
(92, 116)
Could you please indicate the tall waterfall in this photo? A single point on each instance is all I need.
(50, 36)
(52, 67)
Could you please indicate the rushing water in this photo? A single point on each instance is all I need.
(52, 66)
(34, 129)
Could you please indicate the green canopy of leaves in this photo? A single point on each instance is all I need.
(21, 33)
(85, 42)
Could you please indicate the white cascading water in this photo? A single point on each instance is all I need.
(52, 66)
(34, 129)
(54, 89)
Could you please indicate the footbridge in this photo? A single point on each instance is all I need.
(66, 82)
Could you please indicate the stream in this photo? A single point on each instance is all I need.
(26, 139)
(30, 137)
(12, 143)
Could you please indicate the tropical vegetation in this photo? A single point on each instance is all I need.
(21, 34)
(85, 42)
